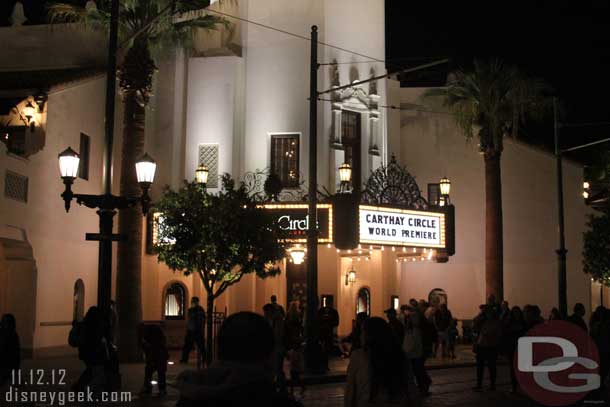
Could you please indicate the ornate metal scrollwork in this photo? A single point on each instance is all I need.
(255, 185)
(393, 185)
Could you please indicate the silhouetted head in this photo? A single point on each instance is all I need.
(579, 309)
(8, 322)
(516, 314)
(195, 301)
(245, 337)
(273, 299)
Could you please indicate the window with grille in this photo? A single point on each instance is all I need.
(83, 165)
(351, 137)
(16, 186)
(285, 158)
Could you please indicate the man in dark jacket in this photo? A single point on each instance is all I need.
(194, 331)
(242, 375)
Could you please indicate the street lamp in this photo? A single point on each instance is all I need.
(106, 205)
(201, 175)
(345, 175)
(445, 186)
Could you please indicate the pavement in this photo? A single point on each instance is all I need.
(453, 381)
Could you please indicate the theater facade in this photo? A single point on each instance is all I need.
(238, 104)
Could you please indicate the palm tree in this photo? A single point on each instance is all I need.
(144, 26)
(490, 102)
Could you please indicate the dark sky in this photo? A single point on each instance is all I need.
(567, 43)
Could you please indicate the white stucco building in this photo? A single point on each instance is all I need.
(237, 101)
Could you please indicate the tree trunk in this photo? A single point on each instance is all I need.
(209, 321)
(493, 226)
(129, 253)
(135, 80)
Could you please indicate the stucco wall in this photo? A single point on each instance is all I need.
(431, 147)
(58, 238)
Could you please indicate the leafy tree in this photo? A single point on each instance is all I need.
(596, 252)
(489, 102)
(145, 26)
(219, 237)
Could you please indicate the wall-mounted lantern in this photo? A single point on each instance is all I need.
(345, 175)
(350, 277)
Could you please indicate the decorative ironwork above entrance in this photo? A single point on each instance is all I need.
(393, 185)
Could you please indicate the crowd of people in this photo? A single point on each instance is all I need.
(387, 358)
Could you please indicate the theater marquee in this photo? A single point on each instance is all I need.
(293, 220)
(401, 227)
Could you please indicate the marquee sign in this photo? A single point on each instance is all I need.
(293, 220)
(401, 227)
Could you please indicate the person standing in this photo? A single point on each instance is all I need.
(415, 351)
(514, 328)
(397, 326)
(328, 319)
(10, 349)
(577, 317)
(194, 331)
(486, 349)
(442, 319)
(156, 356)
(294, 326)
(377, 373)
(277, 307)
(276, 321)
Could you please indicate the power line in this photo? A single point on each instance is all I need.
(302, 37)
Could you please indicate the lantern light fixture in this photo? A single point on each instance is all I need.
(297, 255)
(350, 277)
(445, 186)
(145, 170)
(201, 175)
(28, 111)
(69, 161)
(345, 175)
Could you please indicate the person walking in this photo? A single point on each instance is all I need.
(377, 373)
(155, 356)
(93, 351)
(514, 328)
(486, 349)
(415, 350)
(277, 307)
(442, 319)
(194, 331)
(294, 326)
(10, 349)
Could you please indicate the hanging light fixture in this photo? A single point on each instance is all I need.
(297, 255)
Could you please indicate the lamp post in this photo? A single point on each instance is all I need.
(345, 175)
(106, 205)
(562, 251)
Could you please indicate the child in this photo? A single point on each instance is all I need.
(156, 355)
(296, 368)
(452, 334)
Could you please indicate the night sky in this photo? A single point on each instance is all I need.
(567, 43)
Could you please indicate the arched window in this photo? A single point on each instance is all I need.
(79, 300)
(174, 301)
(363, 301)
(437, 297)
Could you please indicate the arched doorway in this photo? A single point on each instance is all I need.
(79, 300)
(363, 301)
(437, 297)
(174, 301)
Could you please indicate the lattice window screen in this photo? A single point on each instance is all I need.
(16, 186)
(208, 155)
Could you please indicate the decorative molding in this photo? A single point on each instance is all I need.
(393, 185)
